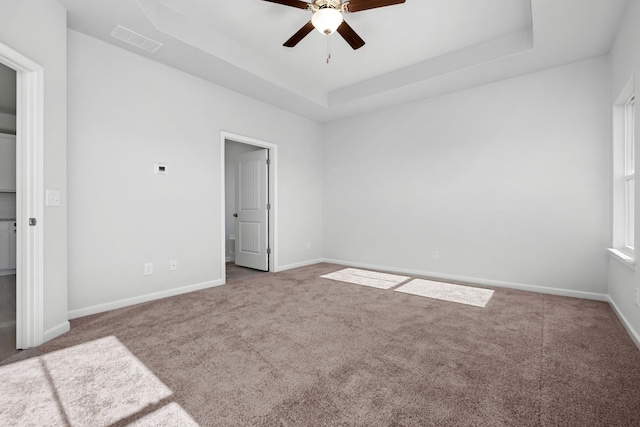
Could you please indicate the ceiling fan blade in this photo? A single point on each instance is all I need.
(350, 36)
(358, 5)
(302, 33)
(293, 3)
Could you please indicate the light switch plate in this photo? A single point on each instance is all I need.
(53, 198)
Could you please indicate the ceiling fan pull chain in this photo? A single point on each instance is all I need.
(328, 48)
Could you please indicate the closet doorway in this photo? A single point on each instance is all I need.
(29, 198)
(8, 93)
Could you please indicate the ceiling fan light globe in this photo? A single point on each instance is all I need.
(327, 20)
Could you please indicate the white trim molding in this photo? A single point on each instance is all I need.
(635, 336)
(56, 331)
(479, 281)
(29, 197)
(299, 264)
(101, 308)
(625, 259)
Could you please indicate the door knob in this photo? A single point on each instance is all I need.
(235, 215)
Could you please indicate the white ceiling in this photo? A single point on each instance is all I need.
(414, 50)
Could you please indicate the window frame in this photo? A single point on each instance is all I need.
(623, 174)
(629, 175)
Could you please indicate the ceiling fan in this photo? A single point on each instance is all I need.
(327, 17)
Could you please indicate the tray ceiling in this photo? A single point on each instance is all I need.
(414, 50)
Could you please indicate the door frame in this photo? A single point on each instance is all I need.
(273, 197)
(29, 197)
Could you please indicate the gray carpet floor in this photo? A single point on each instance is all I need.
(235, 272)
(294, 349)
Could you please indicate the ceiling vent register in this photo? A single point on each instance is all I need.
(135, 39)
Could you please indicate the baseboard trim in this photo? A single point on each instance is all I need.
(635, 336)
(479, 281)
(100, 308)
(56, 331)
(298, 264)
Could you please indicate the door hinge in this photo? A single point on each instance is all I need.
(268, 206)
(268, 251)
(268, 162)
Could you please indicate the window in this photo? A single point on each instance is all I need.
(624, 182)
(629, 174)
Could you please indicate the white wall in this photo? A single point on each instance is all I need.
(625, 64)
(232, 150)
(38, 30)
(508, 181)
(126, 113)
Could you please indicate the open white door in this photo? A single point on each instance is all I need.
(252, 221)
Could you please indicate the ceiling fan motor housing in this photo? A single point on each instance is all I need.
(333, 4)
(327, 15)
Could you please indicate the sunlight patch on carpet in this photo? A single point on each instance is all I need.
(169, 415)
(476, 297)
(367, 278)
(93, 384)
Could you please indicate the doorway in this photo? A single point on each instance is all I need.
(29, 198)
(249, 222)
(8, 93)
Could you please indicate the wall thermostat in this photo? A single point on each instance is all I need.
(160, 168)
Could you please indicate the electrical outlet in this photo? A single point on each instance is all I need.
(148, 269)
(435, 254)
(638, 297)
(173, 264)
